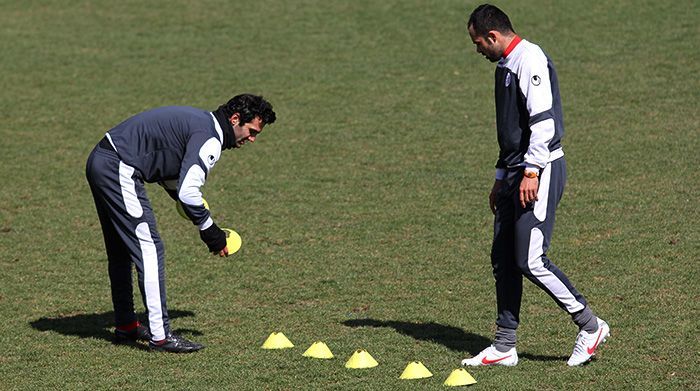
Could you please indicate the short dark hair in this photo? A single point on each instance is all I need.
(487, 17)
(248, 106)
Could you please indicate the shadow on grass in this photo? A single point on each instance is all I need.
(539, 357)
(452, 337)
(97, 326)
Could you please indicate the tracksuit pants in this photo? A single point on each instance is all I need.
(520, 242)
(130, 236)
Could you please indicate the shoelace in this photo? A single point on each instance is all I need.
(580, 346)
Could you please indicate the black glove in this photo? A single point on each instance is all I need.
(214, 237)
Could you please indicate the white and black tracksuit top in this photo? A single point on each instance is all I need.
(529, 116)
(175, 146)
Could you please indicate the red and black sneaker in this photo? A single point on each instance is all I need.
(175, 344)
(131, 333)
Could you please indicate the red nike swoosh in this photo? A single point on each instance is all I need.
(595, 345)
(487, 362)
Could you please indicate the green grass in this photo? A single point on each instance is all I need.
(363, 210)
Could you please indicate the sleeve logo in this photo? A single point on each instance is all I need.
(507, 79)
(536, 80)
(211, 160)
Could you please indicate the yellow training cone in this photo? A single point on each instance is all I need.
(459, 377)
(277, 341)
(415, 370)
(361, 359)
(318, 350)
(233, 240)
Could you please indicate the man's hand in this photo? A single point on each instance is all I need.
(528, 190)
(214, 238)
(494, 192)
(223, 253)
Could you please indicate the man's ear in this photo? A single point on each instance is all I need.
(235, 119)
(493, 36)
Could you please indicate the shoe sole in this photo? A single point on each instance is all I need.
(176, 352)
(161, 350)
(490, 365)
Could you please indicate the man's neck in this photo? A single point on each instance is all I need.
(512, 41)
(226, 129)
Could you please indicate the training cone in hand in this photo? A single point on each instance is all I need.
(318, 350)
(233, 240)
(459, 377)
(277, 341)
(415, 370)
(361, 359)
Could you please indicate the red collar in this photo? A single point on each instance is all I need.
(512, 45)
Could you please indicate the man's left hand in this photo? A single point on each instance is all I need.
(528, 190)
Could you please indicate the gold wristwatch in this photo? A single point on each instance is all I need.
(530, 174)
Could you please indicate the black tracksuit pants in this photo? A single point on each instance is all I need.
(130, 236)
(520, 242)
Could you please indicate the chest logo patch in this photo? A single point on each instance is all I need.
(508, 79)
(536, 80)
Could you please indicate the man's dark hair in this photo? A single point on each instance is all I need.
(487, 17)
(248, 106)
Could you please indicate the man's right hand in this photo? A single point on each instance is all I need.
(494, 194)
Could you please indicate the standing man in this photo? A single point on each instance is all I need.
(176, 147)
(530, 178)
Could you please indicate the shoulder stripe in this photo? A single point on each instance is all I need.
(218, 128)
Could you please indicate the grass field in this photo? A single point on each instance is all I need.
(363, 210)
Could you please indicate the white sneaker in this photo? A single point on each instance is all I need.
(586, 344)
(491, 356)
